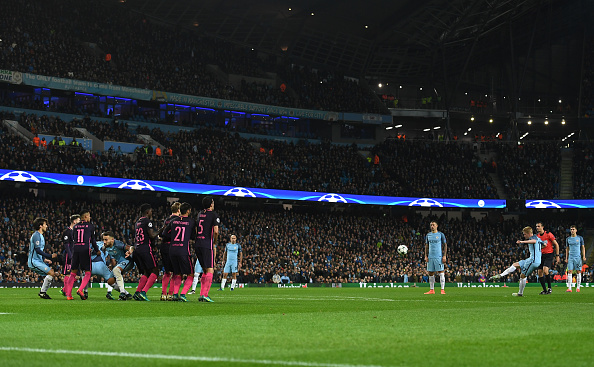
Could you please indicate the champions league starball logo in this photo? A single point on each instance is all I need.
(332, 198)
(542, 204)
(19, 176)
(425, 202)
(241, 192)
(136, 185)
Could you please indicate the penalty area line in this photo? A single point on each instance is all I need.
(181, 358)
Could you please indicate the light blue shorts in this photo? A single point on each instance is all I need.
(528, 266)
(39, 267)
(198, 267)
(99, 268)
(574, 263)
(434, 264)
(230, 267)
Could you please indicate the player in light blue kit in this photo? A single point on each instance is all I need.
(233, 264)
(100, 268)
(39, 261)
(575, 253)
(527, 266)
(436, 249)
(120, 264)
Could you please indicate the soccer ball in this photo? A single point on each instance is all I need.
(241, 192)
(136, 185)
(542, 204)
(332, 198)
(19, 176)
(425, 202)
(402, 250)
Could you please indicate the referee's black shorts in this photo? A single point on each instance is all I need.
(547, 260)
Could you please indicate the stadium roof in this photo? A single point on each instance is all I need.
(396, 38)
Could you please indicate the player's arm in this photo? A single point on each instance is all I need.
(240, 258)
(224, 256)
(45, 254)
(566, 249)
(554, 241)
(426, 248)
(444, 247)
(151, 232)
(94, 243)
(583, 247)
(215, 238)
(526, 242)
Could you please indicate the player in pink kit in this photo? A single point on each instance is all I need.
(182, 230)
(207, 233)
(143, 254)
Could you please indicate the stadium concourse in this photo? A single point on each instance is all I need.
(307, 244)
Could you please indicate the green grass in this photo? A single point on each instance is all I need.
(304, 327)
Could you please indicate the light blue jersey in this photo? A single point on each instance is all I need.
(35, 261)
(117, 251)
(533, 262)
(233, 250)
(37, 241)
(435, 240)
(575, 246)
(574, 259)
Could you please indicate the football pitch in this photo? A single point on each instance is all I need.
(339, 327)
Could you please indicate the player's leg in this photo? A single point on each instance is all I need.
(442, 281)
(578, 281)
(166, 274)
(206, 258)
(197, 273)
(224, 278)
(188, 267)
(142, 280)
(570, 270)
(176, 278)
(74, 271)
(164, 282)
(47, 280)
(152, 274)
(431, 271)
(66, 274)
(234, 279)
(522, 285)
(507, 271)
(541, 278)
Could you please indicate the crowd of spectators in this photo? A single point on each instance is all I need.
(442, 170)
(307, 246)
(530, 170)
(49, 125)
(67, 39)
(111, 131)
(394, 167)
(583, 170)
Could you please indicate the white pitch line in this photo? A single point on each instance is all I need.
(182, 358)
(5, 313)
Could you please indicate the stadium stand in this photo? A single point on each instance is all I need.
(56, 38)
(307, 245)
